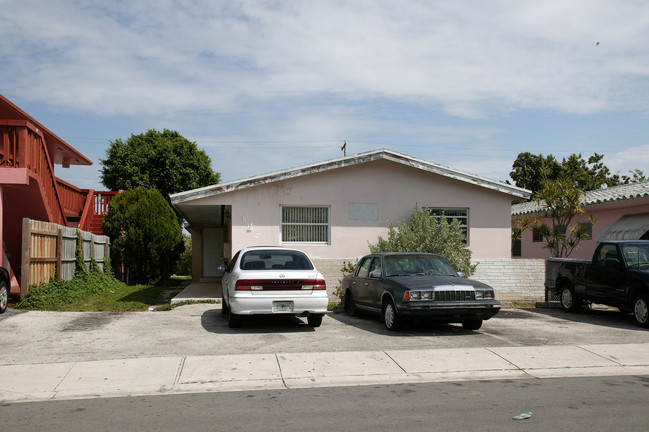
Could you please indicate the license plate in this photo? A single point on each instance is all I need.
(282, 306)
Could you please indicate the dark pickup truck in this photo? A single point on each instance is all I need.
(618, 276)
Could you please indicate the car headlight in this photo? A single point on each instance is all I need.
(484, 294)
(419, 295)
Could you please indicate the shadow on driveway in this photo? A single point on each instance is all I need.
(215, 322)
(597, 315)
(372, 323)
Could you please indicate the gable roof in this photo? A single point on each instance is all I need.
(624, 192)
(374, 155)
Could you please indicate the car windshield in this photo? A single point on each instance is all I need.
(275, 260)
(636, 255)
(407, 265)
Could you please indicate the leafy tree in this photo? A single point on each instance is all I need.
(637, 176)
(588, 175)
(530, 171)
(560, 201)
(145, 235)
(533, 171)
(165, 161)
(423, 233)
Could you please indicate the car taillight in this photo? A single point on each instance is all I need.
(247, 285)
(314, 284)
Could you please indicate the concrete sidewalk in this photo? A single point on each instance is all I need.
(246, 372)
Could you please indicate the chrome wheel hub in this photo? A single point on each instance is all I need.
(641, 311)
(566, 298)
(389, 315)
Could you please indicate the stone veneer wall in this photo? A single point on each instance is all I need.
(512, 279)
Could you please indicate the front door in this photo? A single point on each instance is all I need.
(212, 251)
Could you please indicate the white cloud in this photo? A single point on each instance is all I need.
(467, 57)
(629, 159)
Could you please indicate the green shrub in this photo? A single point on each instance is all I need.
(184, 264)
(347, 269)
(423, 233)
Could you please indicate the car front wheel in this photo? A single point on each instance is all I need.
(472, 324)
(641, 310)
(390, 317)
(225, 310)
(4, 296)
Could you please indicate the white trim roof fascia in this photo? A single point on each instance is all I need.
(344, 162)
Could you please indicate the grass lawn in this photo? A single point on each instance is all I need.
(95, 291)
(129, 298)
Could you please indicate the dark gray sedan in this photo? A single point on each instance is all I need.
(402, 286)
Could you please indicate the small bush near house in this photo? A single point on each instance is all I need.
(423, 233)
(184, 263)
(347, 269)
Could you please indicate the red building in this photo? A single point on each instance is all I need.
(29, 188)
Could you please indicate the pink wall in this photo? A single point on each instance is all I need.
(605, 214)
(393, 187)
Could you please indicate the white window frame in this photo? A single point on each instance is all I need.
(282, 224)
(464, 219)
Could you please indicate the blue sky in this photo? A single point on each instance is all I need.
(267, 85)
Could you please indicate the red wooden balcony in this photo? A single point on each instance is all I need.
(29, 188)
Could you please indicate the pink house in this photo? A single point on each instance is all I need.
(333, 209)
(620, 213)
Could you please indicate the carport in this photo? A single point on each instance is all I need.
(211, 231)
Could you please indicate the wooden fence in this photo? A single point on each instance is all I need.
(50, 249)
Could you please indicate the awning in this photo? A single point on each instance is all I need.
(628, 227)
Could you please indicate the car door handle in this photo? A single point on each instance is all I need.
(366, 284)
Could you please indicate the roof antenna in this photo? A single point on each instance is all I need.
(344, 148)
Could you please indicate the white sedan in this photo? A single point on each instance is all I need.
(273, 280)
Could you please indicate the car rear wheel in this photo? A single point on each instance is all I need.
(391, 319)
(350, 306)
(314, 320)
(570, 302)
(641, 310)
(472, 324)
(4, 296)
(234, 320)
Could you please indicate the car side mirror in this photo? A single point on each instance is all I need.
(222, 268)
(460, 274)
(376, 274)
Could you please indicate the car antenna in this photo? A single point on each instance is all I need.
(344, 148)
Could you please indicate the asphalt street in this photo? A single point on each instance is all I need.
(566, 404)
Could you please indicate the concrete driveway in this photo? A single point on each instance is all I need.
(200, 329)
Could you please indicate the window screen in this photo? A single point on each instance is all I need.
(305, 224)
